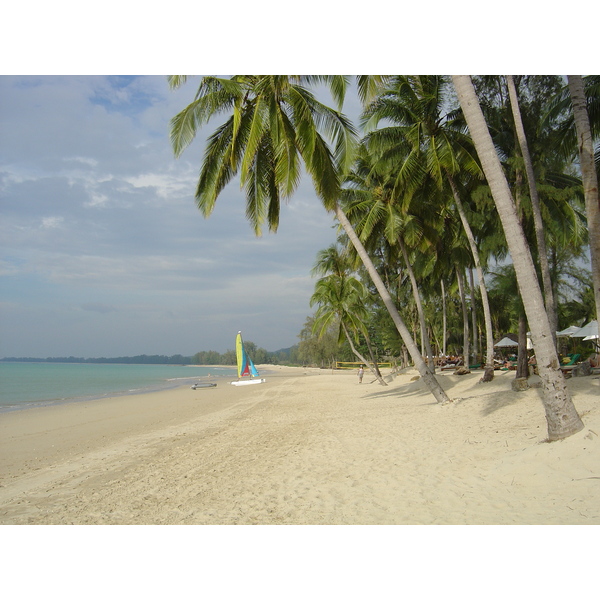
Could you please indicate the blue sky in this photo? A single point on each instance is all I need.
(103, 251)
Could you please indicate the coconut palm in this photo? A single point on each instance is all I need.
(427, 143)
(535, 204)
(546, 111)
(505, 289)
(589, 176)
(349, 298)
(372, 205)
(275, 123)
(561, 416)
(341, 300)
(561, 113)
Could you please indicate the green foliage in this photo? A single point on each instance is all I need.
(259, 356)
(395, 190)
(318, 350)
(274, 122)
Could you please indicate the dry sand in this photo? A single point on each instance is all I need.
(307, 447)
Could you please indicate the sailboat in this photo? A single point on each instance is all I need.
(245, 366)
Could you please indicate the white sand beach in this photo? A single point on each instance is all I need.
(309, 447)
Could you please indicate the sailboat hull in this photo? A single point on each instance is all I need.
(248, 382)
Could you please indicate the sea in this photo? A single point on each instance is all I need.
(31, 384)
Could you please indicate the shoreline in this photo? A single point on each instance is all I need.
(158, 386)
(308, 447)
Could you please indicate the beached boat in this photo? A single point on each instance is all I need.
(203, 385)
(245, 365)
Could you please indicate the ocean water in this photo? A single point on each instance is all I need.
(24, 385)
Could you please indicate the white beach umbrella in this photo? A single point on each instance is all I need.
(505, 343)
(568, 332)
(587, 332)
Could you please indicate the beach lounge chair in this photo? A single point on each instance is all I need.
(568, 366)
(570, 359)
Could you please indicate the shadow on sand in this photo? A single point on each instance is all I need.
(496, 394)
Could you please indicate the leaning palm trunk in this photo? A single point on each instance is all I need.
(373, 368)
(428, 377)
(589, 178)
(488, 374)
(417, 296)
(561, 415)
(373, 359)
(465, 312)
(535, 206)
(522, 360)
(444, 318)
(474, 317)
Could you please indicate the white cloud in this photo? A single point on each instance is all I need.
(85, 160)
(166, 185)
(97, 200)
(52, 222)
(98, 215)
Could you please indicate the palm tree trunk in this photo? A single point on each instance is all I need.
(417, 296)
(561, 416)
(428, 377)
(473, 317)
(488, 373)
(589, 178)
(463, 301)
(444, 318)
(372, 355)
(535, 205)
(361, 357)
(522, 359)
(404, 357)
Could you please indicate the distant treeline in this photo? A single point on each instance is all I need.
(206, 357)
(142, 359)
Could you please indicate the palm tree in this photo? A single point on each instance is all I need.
(428, 145)
(544, 110)
(376, 213)
(348, 295)
(505, 288)
(463, 302)
(535, 204)
(561, 415)
(561, 111)
(428, 377)
(341, 300)
(590, 177)
(274, 123)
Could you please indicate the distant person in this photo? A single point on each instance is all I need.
(361, 373)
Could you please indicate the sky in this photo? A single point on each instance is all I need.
(103, 250)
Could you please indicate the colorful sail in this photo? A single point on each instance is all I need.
(244, 362)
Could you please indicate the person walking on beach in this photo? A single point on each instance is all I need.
(361, 372)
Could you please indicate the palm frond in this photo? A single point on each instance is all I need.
(176, 81)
